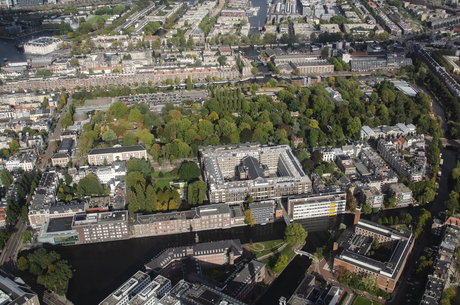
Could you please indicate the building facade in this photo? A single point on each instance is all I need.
(318, 205)
(354, 245)
(269, 173)
(117, 153)
(99, 227)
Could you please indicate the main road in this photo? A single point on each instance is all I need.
(9, 253)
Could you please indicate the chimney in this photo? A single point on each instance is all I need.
(197, 239)
(357, 215)
(335, 247)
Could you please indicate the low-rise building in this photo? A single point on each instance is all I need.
(117, 153)
(244, 279)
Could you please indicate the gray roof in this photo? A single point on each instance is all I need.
(254, 168)
(111, 150)
(171, 254)
(242, 277)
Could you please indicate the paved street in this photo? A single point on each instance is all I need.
(11, 248)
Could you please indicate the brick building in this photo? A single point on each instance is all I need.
(353, 247)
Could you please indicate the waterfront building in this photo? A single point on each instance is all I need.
(354, 245)
(244, 279)
(372, 196)
(197, 294)
(264, 173)
(263, 211)
(42, 45)
(207, 254)
(206, 217)
(98, 227)
(128, 290)
(13, 290)
(402, 193)
(117, 153)
(317, 205)
(313, 67)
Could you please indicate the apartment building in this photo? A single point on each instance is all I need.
(402, 193)
(390, 149)
(313, 67)
(272, 172)
(13, 290)
(353, 247)
(207, 254)
(99, 227)
(128, 290)
(372, 196)
(153, 292)
(263, 211)
(208, 217)
(42, 45)
(97, 156)
(317, 205)
(244, 279)
(44, 196)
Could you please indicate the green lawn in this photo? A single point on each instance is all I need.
(267, 246)
(363, 301)
(157, 174)
(95, 18)
(162, 183)
(271, 261)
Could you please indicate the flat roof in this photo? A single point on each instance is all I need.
(111, 150)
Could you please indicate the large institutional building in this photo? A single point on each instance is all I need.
(316, 205)
(117, 153)
(353, 248)
(261, 172)
(42, 45)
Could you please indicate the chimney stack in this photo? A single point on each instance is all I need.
(357, 215)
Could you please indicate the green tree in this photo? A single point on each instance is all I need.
(74, 62)
(109, 136)
(367, 209)
(135, 115)
(14, 145)
(7, 178)
(133, 205)
(189, 171)
(26, 236)
(295, 234)
(134, 178)
(150, 199)
(249, 218)
(196, 192)
(129, 139)
(67, 120)
(89, 185)
(45, 102)
(222, 60)
(408, 219)
(280, 263)
(23, 264)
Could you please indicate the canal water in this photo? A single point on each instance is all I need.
(101, 268)
(9, 51)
